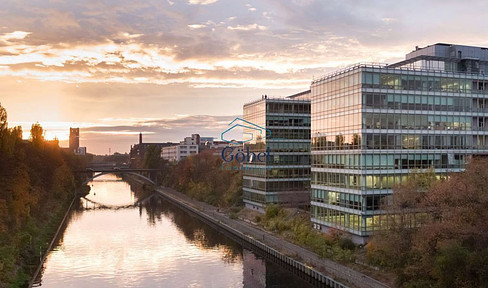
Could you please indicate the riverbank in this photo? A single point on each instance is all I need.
(331, 271)
(35, 277)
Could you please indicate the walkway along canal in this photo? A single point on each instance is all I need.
(340, 275)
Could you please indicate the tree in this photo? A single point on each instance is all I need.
(447, 245)
(152, 157)
(392, 245)
(3, 127)
(11, 137)
(8, 137)
(3, 215)
(63, 182)
(37, 135)
(152, 160)
(19, 196)
(3, 118)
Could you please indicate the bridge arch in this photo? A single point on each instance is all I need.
(119, 172)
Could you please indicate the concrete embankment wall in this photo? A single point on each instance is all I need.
(300, 267)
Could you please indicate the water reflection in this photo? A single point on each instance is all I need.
(109, 242)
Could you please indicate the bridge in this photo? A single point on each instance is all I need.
(109, 169)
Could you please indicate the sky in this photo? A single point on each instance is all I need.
(171, 68)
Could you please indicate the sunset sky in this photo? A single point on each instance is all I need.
(172, 68)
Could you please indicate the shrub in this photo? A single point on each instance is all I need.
(272, 211)
(346, 243)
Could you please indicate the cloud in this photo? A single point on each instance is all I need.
(201, 2)
(16, 35)
(196, 26)
(247, 27)
(127, 43)
(250, 7)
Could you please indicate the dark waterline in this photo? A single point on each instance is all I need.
(108, 242)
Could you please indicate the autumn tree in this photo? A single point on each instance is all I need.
(63, 182)
(454, 243)
(447, 244)
(201, 176)
(404, 214)
(19, 199)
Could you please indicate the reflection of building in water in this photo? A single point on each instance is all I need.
(254, 270)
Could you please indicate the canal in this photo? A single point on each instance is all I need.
(122, 236)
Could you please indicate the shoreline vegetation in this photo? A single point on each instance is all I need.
(446, 246)
(37, 184)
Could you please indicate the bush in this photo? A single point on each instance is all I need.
(346, 243)
(272, 211)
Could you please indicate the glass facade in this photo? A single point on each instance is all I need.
(372, 125)
(284, 177)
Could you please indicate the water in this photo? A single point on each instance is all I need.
(110, 242)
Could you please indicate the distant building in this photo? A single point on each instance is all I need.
(138, 151)
(207, 140)
(81, 151)
(190, 146)
(284, 177)
(178, 152)
(74, 139)
(208, 143)
(193, 140)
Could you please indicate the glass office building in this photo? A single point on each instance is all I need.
(283, 177)
(374, 124)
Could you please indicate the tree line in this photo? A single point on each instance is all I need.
(437, 232)
(36, 186)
